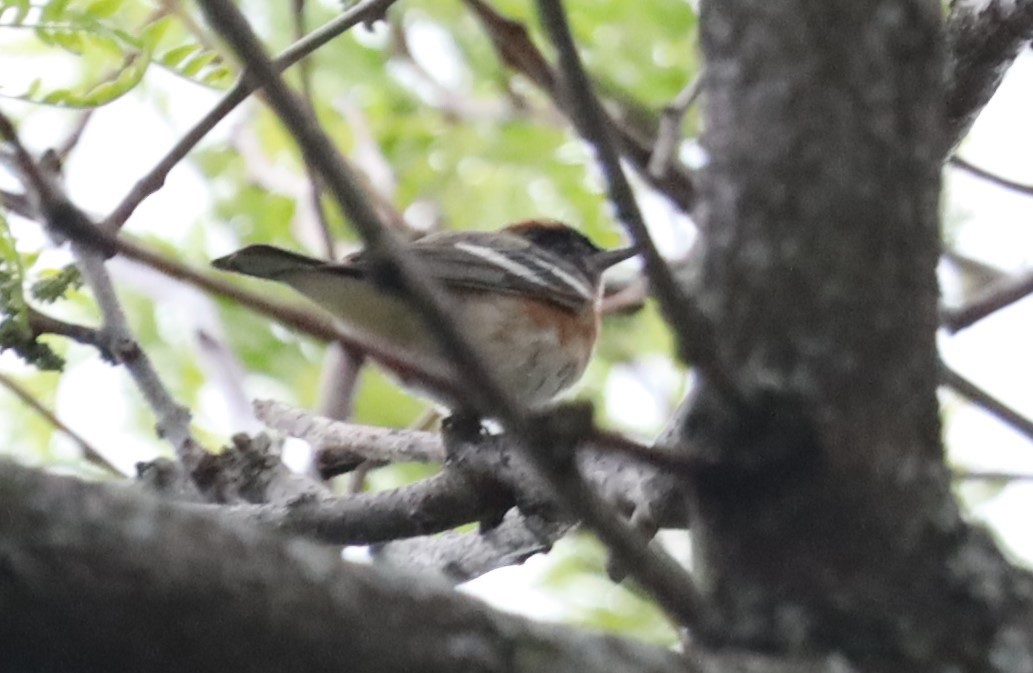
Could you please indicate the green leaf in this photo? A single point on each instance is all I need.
(176, 49)
(197, 62)
(14, 12)
(15, 332)
(173, 57)
(103, 8)
(155, 31)
(54, 283)
(12, 273)
(114, 53)
(54, 10)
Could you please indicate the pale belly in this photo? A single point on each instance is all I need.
(523, 350)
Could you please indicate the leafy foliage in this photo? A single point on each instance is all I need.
(15, 332)
(114, 43)
(577, 576)
(54, 284)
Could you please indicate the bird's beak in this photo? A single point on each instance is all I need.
(604, 259)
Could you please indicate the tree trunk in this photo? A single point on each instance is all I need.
(828, 522)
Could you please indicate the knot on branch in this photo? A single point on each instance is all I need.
(167, 478)
(250, 471)
(771, 435)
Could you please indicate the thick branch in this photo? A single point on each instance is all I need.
(464, 556)
(634, 480)
(984, 37)
(133, 583)
(437, 504)
(824, 129)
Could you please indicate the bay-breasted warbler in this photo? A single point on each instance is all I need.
(527, 296)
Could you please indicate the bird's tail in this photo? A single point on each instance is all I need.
(266, 261)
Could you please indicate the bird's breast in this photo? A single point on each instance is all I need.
(537, 349)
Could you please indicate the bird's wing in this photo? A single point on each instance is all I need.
(488, 262)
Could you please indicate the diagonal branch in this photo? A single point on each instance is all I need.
(696, 340)
(983, 37)
(516, 49)
(88, 451)
(669, 134)
(986, 401)
(91, 248)
(991, 177)
(364, 12)
(995, 297)
(41, 323)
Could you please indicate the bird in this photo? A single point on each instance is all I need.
(527, 296)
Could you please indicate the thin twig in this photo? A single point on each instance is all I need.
(985, 400)
(88, 451)
(516, 49)
(360, 441)
(90, 249)
(41, 323)
(668, 582)
(302, 320)
(306, 321)
(305, 75)
(454, 103)
(69, 144)
(371, 168)
(173, 418)
(978, 475)
(340, 378)
(991, 177)
(668, 135)
(364, 12)
(696, 342)
(627, 299)
(994, 297)
(342, 365)
(660, 457)
(18, 204)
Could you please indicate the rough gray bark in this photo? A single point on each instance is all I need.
(830, 523)
(96, 578)
(983, 38)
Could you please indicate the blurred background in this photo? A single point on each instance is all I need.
(447, 137)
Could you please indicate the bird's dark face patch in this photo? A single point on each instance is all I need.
(555, 237)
